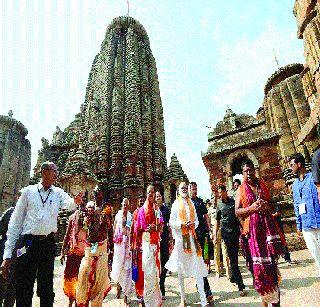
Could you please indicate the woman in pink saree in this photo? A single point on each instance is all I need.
(261, 240)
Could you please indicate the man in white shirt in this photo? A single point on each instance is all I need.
(30, 237)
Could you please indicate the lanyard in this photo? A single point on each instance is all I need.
(44, 201)
(301, 186)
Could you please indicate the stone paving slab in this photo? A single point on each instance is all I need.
(300, 287)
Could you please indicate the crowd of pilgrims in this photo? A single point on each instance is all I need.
(137, 250)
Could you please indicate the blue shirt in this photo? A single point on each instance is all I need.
(305, 191)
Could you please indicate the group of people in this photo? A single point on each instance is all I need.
(134, 248)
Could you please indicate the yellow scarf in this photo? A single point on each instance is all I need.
(185, 231)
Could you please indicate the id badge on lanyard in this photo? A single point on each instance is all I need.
(94, 247)
(302, 208)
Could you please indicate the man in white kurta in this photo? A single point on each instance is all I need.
(186, 258)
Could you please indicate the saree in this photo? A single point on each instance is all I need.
(261, 243)
(150, 243)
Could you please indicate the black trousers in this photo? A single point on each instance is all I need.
(36, 263)
(7, 292)
(207, 289)
(232, 244)
(164, 257)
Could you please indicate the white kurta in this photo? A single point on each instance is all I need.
(190, 265)
(122, 260)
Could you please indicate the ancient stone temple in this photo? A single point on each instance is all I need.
(172, 178)
(307, 13)
(268, 139)
(15, 160)
(238, 137)
(117, 140)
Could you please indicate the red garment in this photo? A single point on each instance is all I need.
(247, 201)
(136, 246)
(261, 241)
(140, 281)
(134, 238)
(151, 219)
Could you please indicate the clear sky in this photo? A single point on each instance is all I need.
(209, 54)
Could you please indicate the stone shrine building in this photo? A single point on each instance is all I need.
(240, 137)
(117, 140)
(173, 177)
(287, 122)
(15, 160)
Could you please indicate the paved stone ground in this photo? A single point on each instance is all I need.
(300, 287)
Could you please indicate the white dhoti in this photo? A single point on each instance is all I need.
(151, 293)
(186, 264)
(122, 266)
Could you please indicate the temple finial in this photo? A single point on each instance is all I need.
(275, 57)
(128, 7)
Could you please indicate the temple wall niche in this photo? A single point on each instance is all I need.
(15, 160)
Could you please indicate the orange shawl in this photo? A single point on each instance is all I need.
(185, 231)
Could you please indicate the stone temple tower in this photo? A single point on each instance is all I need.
(118, 137)
(122, 118)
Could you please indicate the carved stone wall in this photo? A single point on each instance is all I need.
(308, 23)
(15, 160)
(287, 109)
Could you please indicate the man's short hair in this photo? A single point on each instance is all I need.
(248, 163)
(298, 158)
(237, 180)
(48, 165)
(222, 187)
(193, 183)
